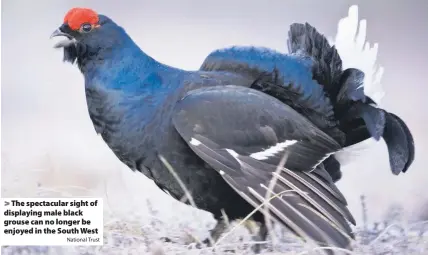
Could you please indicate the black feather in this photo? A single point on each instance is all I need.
(374, 118)
(399, 142)
(410, 141)
(352, 88)
(305, 40)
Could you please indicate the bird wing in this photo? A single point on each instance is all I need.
(243, 134)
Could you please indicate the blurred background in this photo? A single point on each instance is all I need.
(49, 144)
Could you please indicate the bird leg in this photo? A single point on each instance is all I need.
(216, 232)
(261, 236)
(167, 240)
(221, 226)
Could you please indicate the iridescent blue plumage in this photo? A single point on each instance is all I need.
(294, 72)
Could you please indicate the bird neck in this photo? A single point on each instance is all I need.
(128, 54)
(125, 78)
(125, 84)
(122, 67)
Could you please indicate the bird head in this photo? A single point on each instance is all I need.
(87, 34)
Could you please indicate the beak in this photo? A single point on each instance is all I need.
(59, 33)
(63, 43)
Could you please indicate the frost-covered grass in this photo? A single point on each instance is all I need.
(137, 224)
(139, 227)
(136, 234)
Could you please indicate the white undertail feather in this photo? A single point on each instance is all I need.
(356, 52)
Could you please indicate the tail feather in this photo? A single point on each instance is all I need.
(351, 87)
(305, 40)
(357, 114)
(400, 143)
(373, 119)
(343, 87)
(410, 141)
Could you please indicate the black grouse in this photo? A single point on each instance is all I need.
(226, 127)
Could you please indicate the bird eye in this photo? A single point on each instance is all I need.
(86, 28)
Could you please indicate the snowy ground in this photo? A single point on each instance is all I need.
(138, 215)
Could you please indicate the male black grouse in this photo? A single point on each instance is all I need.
(226, 127)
